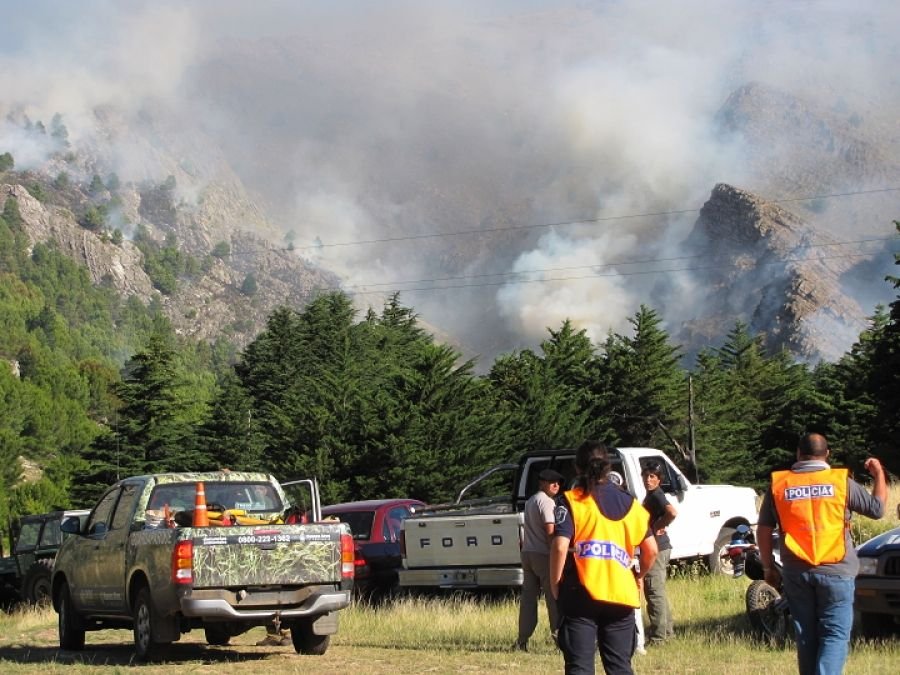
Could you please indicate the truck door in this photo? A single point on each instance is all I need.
(85, 578)
(111, 554)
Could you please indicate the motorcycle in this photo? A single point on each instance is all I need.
(767, 608)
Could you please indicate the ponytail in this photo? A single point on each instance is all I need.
(592, 463)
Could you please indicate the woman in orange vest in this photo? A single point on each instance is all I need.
(598, 528)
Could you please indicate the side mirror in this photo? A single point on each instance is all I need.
(70, 525)
(682, 483)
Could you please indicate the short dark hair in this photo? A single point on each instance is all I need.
(653, 467)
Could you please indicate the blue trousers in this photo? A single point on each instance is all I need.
(609, 627)
(822, 612)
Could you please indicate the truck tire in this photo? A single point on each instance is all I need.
(307, 642)
(216, 635)
(36, 584)
(766, 620)
(71, 625)
(144, 646)
(717, 564)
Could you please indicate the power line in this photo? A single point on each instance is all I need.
(594, 265)
(562, 223)
(603, 275)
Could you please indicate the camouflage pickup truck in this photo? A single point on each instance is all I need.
(140, 562)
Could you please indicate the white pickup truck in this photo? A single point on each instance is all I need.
(474, 542)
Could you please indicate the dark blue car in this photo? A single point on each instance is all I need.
(878, 585)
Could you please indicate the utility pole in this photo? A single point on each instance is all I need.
(691, 449)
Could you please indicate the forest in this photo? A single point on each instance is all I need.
(97, 387)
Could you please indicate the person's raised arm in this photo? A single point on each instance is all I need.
(879, 489)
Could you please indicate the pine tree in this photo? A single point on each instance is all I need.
(642, 386)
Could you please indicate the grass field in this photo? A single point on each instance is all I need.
(458, 634)
(437, 635)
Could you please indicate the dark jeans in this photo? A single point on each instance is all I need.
(822, 611)
(584, 629)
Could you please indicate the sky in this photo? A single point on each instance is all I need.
(496, 162)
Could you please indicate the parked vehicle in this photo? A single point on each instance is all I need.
(145, 560)
(767, 608)
(375, 525)
(877, 597)
(25, 573)
(474, 542)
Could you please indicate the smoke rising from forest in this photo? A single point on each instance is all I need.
(379, 122)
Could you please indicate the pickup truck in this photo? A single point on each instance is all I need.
(474, 543)
(145, 560)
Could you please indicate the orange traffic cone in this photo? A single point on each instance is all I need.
(201, 519)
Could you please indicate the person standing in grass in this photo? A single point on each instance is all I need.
(598, 528)
(662, 513)
(811, 504)
(537, 531)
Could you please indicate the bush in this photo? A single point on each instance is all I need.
(221, 250)
(6, 162)
(249, 287)
(37, 191)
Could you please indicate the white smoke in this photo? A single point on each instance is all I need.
(386, 122)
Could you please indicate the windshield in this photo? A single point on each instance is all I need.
(249, 497)
(360, 522)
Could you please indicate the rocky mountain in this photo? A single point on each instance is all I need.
(219, 300)
(766, 266)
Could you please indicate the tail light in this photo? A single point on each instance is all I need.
(348, 565)
(403, 543)
(183, 563)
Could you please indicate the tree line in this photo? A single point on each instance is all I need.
(373, 407)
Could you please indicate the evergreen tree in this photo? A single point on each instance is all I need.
(642, 386)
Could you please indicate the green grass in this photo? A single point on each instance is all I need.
(438, 635)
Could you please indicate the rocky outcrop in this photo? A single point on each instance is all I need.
(765, 266)
(118, 265)
(217, 303)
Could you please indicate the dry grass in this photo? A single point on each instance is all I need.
(437, 635)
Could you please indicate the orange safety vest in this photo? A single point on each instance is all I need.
(603, 549)
(811, 510)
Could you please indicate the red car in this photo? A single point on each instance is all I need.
(375, 525)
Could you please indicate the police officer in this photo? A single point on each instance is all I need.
(811, 503)
(598, 529)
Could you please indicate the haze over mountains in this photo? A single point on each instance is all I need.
(503, 167)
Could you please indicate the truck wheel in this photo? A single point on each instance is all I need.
(71, 625)
(766, 620)
(36, 586)
(217, 635)
(307, 642)
(144, 646)
(717, 564)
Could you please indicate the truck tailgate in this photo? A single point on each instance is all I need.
(266, 555)
(444, 541)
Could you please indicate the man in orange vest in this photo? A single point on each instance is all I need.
(811, 504)
(598, 529)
